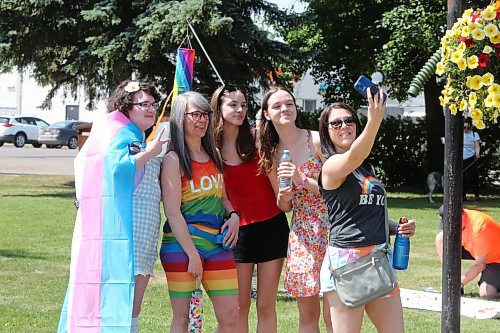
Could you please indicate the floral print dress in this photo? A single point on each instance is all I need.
(308, 236)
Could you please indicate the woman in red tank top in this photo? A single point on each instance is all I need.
(263, 233)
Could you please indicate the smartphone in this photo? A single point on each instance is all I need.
(364, 83)
(165, 135)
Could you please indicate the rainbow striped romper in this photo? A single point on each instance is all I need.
(201, 206)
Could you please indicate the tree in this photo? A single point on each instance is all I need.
(95, 44)
(341, 39)
(349, 38)
(416, 30)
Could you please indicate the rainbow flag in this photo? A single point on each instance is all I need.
(183, 80)
(100, 292)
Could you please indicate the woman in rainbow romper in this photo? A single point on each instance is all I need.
(194, 197)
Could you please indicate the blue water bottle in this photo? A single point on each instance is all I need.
(401, 253)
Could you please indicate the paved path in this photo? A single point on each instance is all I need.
(42, 161)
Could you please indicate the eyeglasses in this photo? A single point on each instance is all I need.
(136, 147)
(337, 123)
(197, 115)
(147, 105)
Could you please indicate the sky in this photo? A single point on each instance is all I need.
(297, 5)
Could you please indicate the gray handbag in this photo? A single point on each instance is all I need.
(367, 278)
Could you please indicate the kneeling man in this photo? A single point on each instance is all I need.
(480, 237)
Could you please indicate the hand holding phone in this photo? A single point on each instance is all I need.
(363, 83)
(165, 135)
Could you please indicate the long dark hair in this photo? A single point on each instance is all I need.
(123, 101)
(327, 146)
(269, 137)
(178, 143)
(245, 143)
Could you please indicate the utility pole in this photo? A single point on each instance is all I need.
(19, 91)
(452, 228)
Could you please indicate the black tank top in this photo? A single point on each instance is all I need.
(356, 210)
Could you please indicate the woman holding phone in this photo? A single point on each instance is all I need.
(357, 224)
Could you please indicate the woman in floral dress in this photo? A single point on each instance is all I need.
(308, 231)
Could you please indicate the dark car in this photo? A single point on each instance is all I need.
(62, 133)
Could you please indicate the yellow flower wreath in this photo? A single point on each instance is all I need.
(471, 59)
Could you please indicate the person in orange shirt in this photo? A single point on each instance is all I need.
(480, 234)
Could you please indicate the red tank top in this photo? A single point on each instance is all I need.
(250, 193)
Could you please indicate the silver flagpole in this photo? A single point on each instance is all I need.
(204, 51)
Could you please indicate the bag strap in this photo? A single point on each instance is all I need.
(387, 237)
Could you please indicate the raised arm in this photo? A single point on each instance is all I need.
(153, 148)
(338, 166)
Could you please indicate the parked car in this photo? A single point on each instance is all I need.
(61, 133)
(20, 130)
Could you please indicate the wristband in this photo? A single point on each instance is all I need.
(233, 212)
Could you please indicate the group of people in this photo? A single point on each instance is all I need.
(220, 176)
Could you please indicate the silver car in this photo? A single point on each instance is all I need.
(61, 133)
(20, 130)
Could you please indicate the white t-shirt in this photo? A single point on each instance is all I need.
(469, 139)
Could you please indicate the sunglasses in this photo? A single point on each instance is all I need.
(136, 147)
(337, 123)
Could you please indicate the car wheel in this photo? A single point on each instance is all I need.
(37, 145)
(73, 143)
(20, 140)
(1, 144)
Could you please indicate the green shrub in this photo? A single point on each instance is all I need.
(399, 153)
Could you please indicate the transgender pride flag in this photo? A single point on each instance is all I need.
(100, 293)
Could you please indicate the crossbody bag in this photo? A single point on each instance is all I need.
(367, 278)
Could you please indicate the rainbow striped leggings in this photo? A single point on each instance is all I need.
(219, 270)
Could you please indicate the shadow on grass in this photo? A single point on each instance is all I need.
(43, 195)
(23, 254)
(423, 203)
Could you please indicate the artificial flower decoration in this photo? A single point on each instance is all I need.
(132, 87)
(471, 60)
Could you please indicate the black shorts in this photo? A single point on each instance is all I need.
(491, 275)
(262, 241)
(466, 254)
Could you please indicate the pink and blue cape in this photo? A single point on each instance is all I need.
(100, 292)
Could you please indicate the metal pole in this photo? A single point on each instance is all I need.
(19, 91)
(452, 229)
(204, 51)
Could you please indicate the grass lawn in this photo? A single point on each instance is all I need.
(36, 224)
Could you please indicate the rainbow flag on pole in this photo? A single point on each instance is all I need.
(100, 292)
(183, 80)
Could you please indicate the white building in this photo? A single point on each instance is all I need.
(20, 94)
(307, 95)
